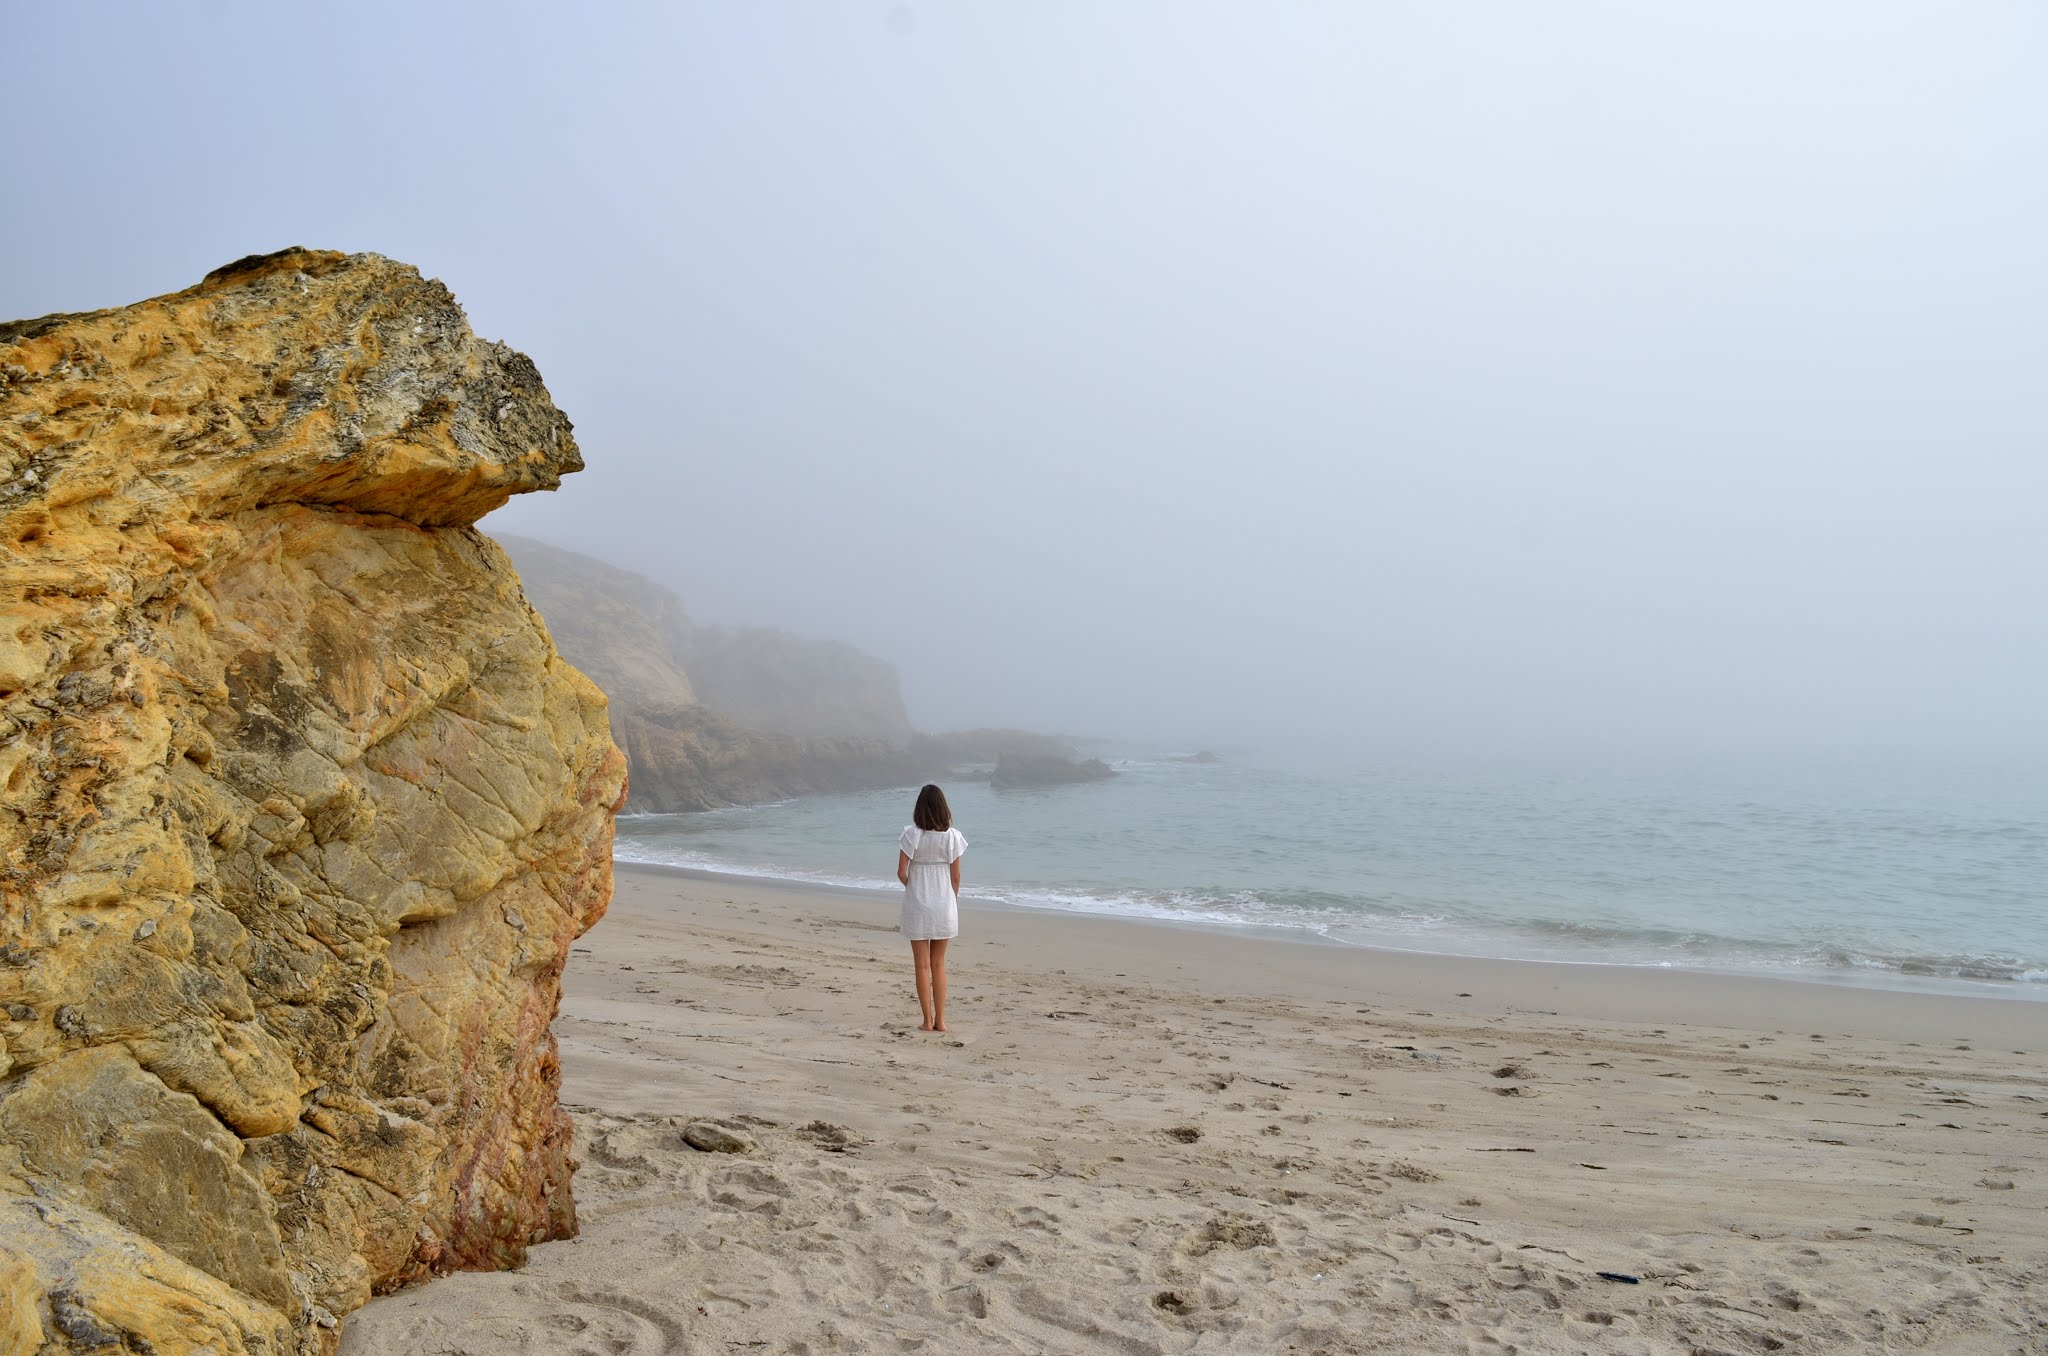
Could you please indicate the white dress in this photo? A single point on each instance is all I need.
(930, 908)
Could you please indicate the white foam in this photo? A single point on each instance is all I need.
(1422, 932)
(693, 862)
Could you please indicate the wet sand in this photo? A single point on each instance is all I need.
(1140, 1138)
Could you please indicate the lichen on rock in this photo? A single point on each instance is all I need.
(300, 811)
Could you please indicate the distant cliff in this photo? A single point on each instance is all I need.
(301, 812)
(771, 680)
(627, 631)
(691, 758)
(712, 717)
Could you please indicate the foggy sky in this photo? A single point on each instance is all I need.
(1528, 377)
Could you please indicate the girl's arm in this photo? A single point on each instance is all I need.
(903, 868)
(956, 876)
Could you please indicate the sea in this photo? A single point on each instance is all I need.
(1863, 876)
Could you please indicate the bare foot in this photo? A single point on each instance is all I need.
(928, 1026)
(940, 1027)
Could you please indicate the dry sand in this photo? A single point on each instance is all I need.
(1140, 1138)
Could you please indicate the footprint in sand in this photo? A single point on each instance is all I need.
(1031, 1217)
(1002, 1254)
(531, 1320)
(1231, 1231)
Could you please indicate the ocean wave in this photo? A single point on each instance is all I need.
(1245, 911)
(1352, 922)
(692, 861)
(1240, 911)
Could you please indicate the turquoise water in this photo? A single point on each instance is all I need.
(1910, 881)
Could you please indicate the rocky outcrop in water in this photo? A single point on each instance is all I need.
(1027, 770)
(988, 746)
(301, 812)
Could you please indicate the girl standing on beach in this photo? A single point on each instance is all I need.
(928, 864)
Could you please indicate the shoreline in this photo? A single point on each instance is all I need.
(1594, 990)
(1161, 1140)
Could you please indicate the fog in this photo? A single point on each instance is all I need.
(1537, 378)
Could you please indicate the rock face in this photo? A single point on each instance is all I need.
(688, 752)
(301, 812)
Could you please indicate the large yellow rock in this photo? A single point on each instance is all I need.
(299, 811)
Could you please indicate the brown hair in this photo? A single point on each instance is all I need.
(932, 812)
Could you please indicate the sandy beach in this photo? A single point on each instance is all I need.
(1140, 1138)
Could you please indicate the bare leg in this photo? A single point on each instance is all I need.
(921, 957)
(938, 982)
